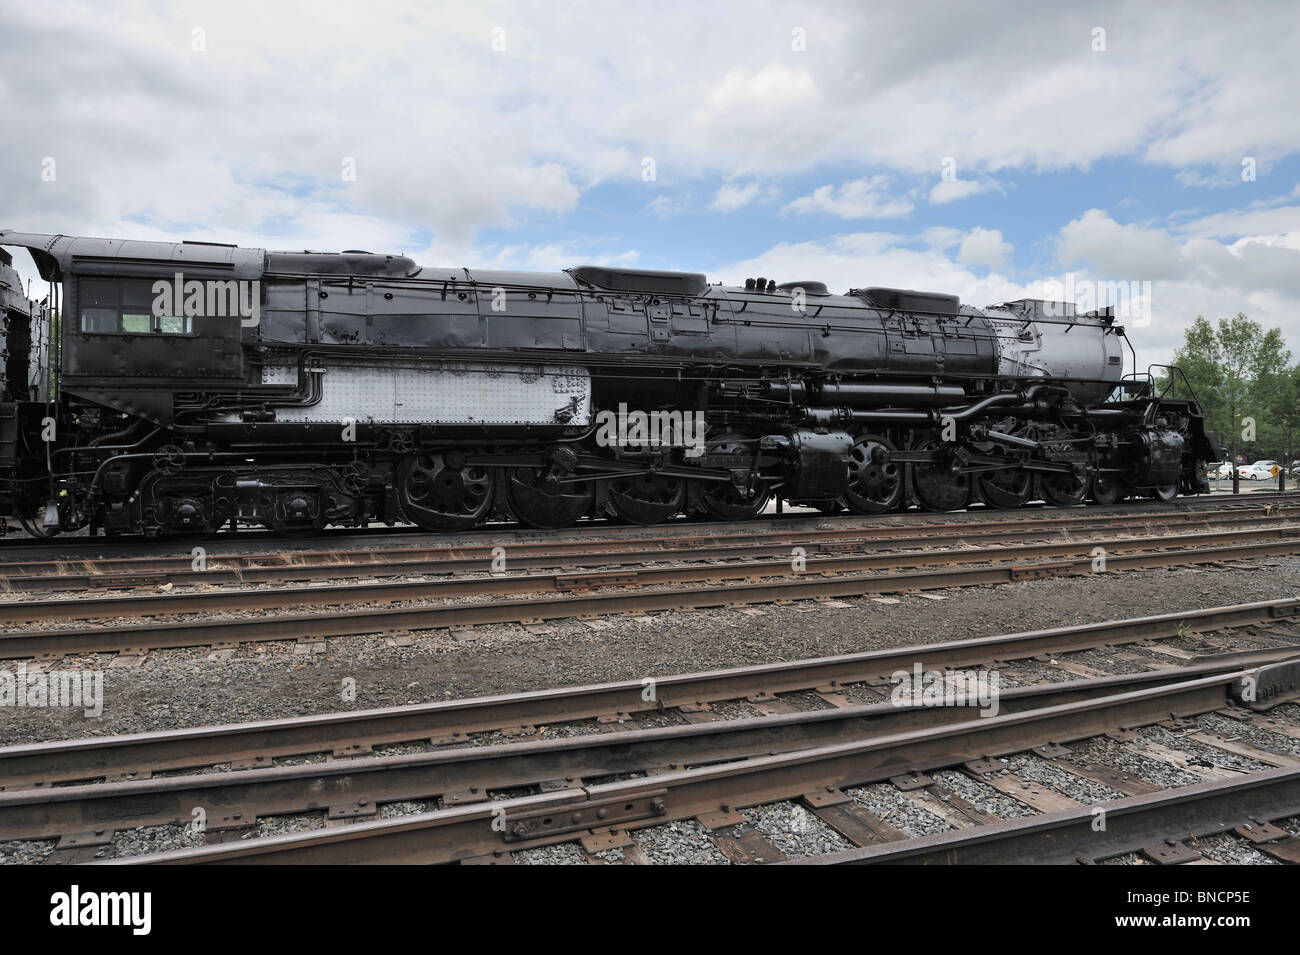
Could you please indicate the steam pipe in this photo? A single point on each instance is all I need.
(859, 394)
(1026, 403)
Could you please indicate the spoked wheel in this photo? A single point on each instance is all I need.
(1062, 490)
(1109, 489)
(875, 484)
(1165, 492)
(723, 500)
(547, 504)
(440, 493)
(646, 498)
(1004, 489)
(935, 486)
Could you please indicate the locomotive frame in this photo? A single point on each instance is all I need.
(194, 386)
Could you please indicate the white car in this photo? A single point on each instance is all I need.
(1259, 471)
(1225, 470)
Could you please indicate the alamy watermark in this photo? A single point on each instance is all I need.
(42, 689)
(651, 429)
(921, 687)
(1131, 300)
(212, 298)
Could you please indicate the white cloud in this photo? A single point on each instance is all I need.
(1256, 220)
(950, 190)
(247, 136)
(1124, 251)
(859, 199)
(732, 196)
(984, 247)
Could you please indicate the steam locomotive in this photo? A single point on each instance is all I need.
(176, 389)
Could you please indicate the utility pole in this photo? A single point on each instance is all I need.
(1236, 478)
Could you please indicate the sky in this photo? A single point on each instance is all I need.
(988, 150)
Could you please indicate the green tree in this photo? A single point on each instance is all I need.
(1285, 416)
(1238, 371)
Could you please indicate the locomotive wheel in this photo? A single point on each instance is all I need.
(875, 485)
(1062, 490)
(546, 506)
(934, 486)
(1109, 489)
(646, 498)
(439, 493)
(1165, 492)
(726, 502)
(1004, 489)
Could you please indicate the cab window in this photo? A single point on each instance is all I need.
(125, 307)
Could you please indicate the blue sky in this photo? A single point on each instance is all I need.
(1027, 207)
(797, 141)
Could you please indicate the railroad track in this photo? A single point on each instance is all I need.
(602, 816)
(64, 550)
(299, 566)
(481, 600)
(1162, 826)
(701, 768)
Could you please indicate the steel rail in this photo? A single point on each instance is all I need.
(596, 532)
(646, 538)
(1069, 836)
(356, 787)
(69, 575)
(259, 743)
(317, 626)
(530, 821)
(152, 605)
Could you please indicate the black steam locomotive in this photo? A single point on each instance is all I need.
(178, 389)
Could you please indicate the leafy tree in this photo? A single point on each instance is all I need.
(1239, 371)
(1285, 416)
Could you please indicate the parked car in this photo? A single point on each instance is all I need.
(1259, 471)
(1224, 470)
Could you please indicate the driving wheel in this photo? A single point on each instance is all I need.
(439, 492)
(646, 498)
(875, 483)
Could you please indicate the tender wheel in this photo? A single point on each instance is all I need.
(547, 504)
(440, 493)
(875, 484)
(1109, 489)
(646, 498)
(934, 486)
(1165, 492)
(1004, 489)
(1062, 490)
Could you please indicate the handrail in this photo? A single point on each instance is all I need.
(1148, 383)
(1170, 389)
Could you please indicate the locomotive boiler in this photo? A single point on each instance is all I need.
(182, 388)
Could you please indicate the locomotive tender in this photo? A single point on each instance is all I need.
(179, 388)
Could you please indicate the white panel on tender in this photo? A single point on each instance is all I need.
(440, 392)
